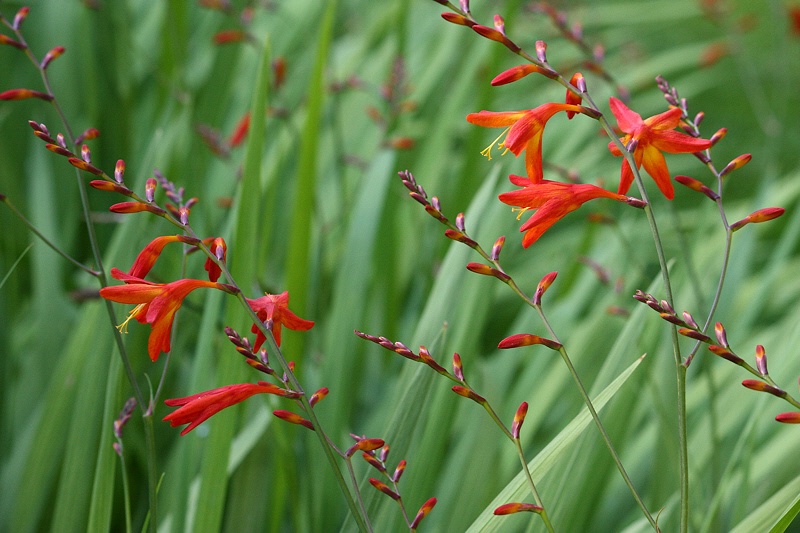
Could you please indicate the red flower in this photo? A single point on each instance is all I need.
(653, 136)
(197, 408)
(552, 200)
(524, 133)
(157, 304)
(276, 308)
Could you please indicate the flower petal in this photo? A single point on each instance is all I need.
(627, 120)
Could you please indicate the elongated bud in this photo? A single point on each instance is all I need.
(124, 416)
(372, 460)
(83, 165)
(20, 17)
(735, 164)
(519, 72)
(516, 507)
(725, 354)
(541, 51)
(456, 18)
(384, 488)
(486, 270)
(384, 453)
(789, 418)
(526, 339)
(150, 189)
(86, 154)
(696, 185)
(722, 335)
(183, 215)
(88, 135)
(460, 222)
(103, 185)
(718, 136)
(519, 418)
(495, 35)
(422, 513)
(756, 217)
(4, 39)
(760, 386)
(692, 334)
(458, 370)
(119, 171)
(460, 237)
(497, 248)
(464, 5)
(698, 118)
(761, 360)
(24, 94)
(58, 150)
(426, 358)
(364, 445)
(136, 207)
(689, 319)
(542, 287)
(317, 396)
(401, 467)
(61, 141)
(50, 56)
(469, 393)
(293, 418)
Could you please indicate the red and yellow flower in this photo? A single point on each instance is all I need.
(552, 200)
(197, 408)
(156, 304)
(525, 129)
(652, 136)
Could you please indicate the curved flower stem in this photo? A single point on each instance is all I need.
(536, 497)
(99, 273)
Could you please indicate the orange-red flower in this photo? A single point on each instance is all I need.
(653, 136)
(275, 307)
(525, 130)
(156, 304)
(552, 200)
(197, 408)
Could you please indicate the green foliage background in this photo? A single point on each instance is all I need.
(318, 210)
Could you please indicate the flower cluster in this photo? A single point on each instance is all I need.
(646, 140)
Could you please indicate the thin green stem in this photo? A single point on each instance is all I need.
(354, 482)
(536, 497)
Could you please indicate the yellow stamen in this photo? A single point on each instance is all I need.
(487, 152)
(123, 328)
(521, 211)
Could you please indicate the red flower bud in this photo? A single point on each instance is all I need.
(24, 94)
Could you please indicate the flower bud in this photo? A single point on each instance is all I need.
(293, 418)
(422, 513)
(497, 248)
(789, 418)
(542, 287)
(511, 508)
(722, 335)
(761, 360)
(50, 56)
(384, 488)
(24, 94)
(150, 189)
(735, 164)
(541, 51)
(762, 215)
(519, 418)
(458, 370)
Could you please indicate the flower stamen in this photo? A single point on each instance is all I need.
(487, 152)
(123, 328)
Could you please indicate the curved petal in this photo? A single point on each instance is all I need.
(654, 163)
(626, 178)
(493, 119)
(667, 120)
(533, 158)
(627, 120)
(675, 142)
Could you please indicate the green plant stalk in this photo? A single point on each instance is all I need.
(536, 497)
(101, 277)
(125, 488)
(354, 482)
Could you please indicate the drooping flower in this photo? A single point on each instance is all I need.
(156, 304)
(652, 136)
(149, 254)
(197, 408)
(275, 307)
(525, 130)
(552, 201)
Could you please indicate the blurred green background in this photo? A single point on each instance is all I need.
(372, 88)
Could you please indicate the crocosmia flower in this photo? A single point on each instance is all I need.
(275, 307)
(653, 136)
(156, 304)
(197, 408)
(525, 130)
(552, 200)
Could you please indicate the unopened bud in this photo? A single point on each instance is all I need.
(497, 248)
(697, 185)
(722, 335)
(527, 339)
(689, 319)
(469, 393)
(789, 418)
(542, 287)
(21, 15)
(762, 215)
(50, 56)
(86, 154)
(401, 466)
(119, 171)
(317, 396)
(422, 513)
(150, 189)
(725, 354)
(384, 488)
(541, 51)
(735, 164)
(718, 136)
(692, 334)
(519, 418)
(499, 24)
(516, 507)
(458, 370)
(761, 360)
(760, 386)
